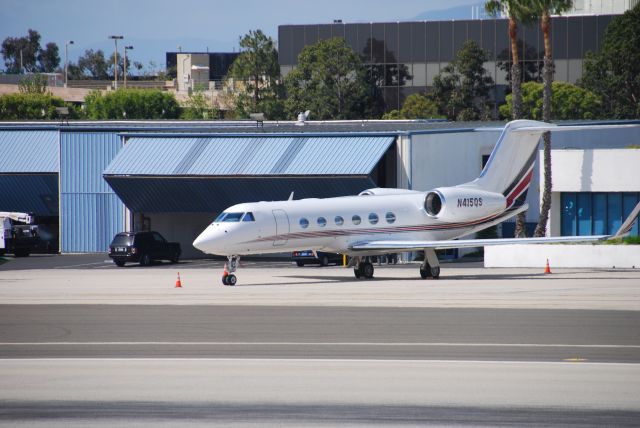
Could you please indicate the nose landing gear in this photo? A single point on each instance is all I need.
(228, 276)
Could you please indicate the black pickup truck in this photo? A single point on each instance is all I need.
(142, 247)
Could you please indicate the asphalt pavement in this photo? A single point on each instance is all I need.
(83, 343)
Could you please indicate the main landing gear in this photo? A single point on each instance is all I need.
(430, 267)
(364, 268)
(228, 276)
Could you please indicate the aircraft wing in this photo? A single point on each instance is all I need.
(464, 243)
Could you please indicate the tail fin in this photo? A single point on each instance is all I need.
(510, 166)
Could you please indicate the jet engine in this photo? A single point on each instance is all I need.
(456, 204)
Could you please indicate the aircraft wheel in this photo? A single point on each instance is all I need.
(224, 279)
(367, 270)
(357, 272)
(231, 279)
(425, 273)
(435, 272)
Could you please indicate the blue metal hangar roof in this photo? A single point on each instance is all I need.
(210, 173)
(29, 171)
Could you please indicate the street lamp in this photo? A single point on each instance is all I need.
(115, 60)
(125, 65)
(66, 61)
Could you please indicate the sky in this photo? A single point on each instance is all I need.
(154, 27)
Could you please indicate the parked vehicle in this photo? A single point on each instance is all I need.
(143, 247)
(307, 257)
(18, 234)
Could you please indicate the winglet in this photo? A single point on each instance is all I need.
(628, 223)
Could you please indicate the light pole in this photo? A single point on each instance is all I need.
(66, 61)
(125, 65)
(115, 60)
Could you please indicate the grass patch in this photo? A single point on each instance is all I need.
(629, 240)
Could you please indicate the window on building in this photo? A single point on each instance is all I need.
(596, 213)
(356, 219)
(304, 223)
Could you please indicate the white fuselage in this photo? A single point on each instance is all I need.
(332, 224)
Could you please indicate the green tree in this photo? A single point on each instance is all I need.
(461, 89)
(23, 106)
(21, 51)
(257, 66)
(48, 58)
(131, 104)
(330, 80)
(198, 107)
(614, 73)
(543, 9)
(94, 64)
(569, 102)
(33, 84)
(416, 106)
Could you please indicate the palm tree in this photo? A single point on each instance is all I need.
(543, 9)
(516, 10)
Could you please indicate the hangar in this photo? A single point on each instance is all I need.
(90, 180)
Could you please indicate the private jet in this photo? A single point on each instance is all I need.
(384, 220)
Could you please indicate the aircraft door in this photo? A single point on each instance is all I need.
(282, 227)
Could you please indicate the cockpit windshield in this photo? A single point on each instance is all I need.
(234, 217)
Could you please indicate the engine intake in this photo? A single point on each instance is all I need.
(433, 203)
(456, 204)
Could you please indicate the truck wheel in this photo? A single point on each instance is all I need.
(21, 253)
(119, 263)
(145, 260)
(175, 258)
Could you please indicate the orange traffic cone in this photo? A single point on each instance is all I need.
(547, 269)
(178, 282)
(225, 272)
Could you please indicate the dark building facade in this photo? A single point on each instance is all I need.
(407, 55)
(219, 63)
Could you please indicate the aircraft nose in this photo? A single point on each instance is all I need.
(203, 241)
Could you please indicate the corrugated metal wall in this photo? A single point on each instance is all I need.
(91, 213)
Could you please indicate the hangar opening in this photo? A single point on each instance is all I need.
(177, 185)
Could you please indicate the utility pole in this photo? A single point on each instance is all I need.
(125, 65)
(115, 60)
(66, 60)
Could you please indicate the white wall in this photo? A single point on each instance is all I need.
(580, 256)
(595, 170)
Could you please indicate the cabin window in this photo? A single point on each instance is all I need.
(232, 217)
(304, 223)
(339, 220)
(248, 217)
(322, 222)
(220, 217)
(356, 219)
(373, 218)
(391, 217)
